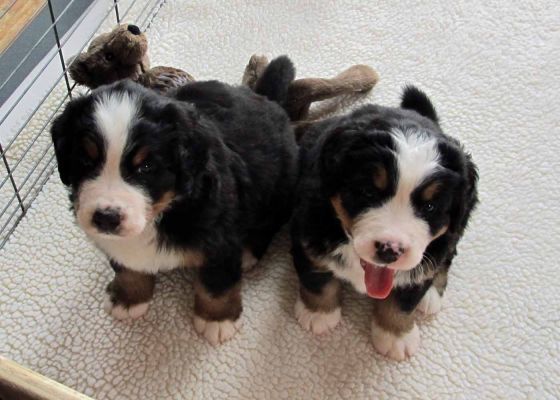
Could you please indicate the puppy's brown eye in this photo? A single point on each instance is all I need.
(109, 56)
(429, 207)
(145, 167)
(367, 193)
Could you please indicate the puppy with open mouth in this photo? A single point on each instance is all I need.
(201, 178)
(383, 198)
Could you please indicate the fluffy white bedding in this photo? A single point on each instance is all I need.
(492, 69)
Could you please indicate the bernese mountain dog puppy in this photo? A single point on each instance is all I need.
(201, 178)
(382, 200)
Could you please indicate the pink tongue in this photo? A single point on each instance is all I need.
(379, 281)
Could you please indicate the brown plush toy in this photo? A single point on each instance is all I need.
(357, 79)
(123, 53)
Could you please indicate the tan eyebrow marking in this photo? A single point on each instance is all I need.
(430, 191)
(91, 148)
(380, 178)
(140, 156)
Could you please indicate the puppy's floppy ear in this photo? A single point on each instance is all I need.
(63, 144)
(416, 100)
(466, 197)
(66, 131)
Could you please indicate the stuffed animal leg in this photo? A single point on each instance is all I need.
(303, 92)
(162, 79)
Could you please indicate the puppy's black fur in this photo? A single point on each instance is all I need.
(338, 156)
(226, 154)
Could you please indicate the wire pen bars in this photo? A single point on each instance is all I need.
(26, 152)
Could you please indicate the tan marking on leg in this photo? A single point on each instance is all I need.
(131, 287)
(397, 347)
(217, 308)
(341, 213)
(390, 317)
(394, 332)
(326, 301)
(193, 259)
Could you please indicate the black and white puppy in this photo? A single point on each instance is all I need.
(382, 200)
(202, 178)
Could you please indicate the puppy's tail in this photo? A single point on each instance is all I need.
(416, 100)
(276, 79)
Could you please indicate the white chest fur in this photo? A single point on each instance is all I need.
(350, 270)
(141, 253)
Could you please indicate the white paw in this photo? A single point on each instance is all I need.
(431, 302)
(317, 322)
(396, 347)
(216, 332)
(121, 312)
(248, 261)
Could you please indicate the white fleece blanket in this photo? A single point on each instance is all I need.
(492, 69)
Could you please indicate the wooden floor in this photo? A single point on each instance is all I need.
(17, 382)
(14, 17)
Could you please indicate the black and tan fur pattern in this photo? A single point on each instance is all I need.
(197, 178)
(373, 171)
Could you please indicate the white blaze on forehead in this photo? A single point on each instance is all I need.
(114, 114)
(417, 157)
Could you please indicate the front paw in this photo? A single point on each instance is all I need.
(397, 347)
(216, 332)
(122, 311)
(431, 302)
(317, 322)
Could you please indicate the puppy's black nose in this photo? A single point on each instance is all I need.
(107, 220)
(134, 29)
(388, 252)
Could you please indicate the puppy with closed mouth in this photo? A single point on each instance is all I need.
(383, 199)
(200, 178)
